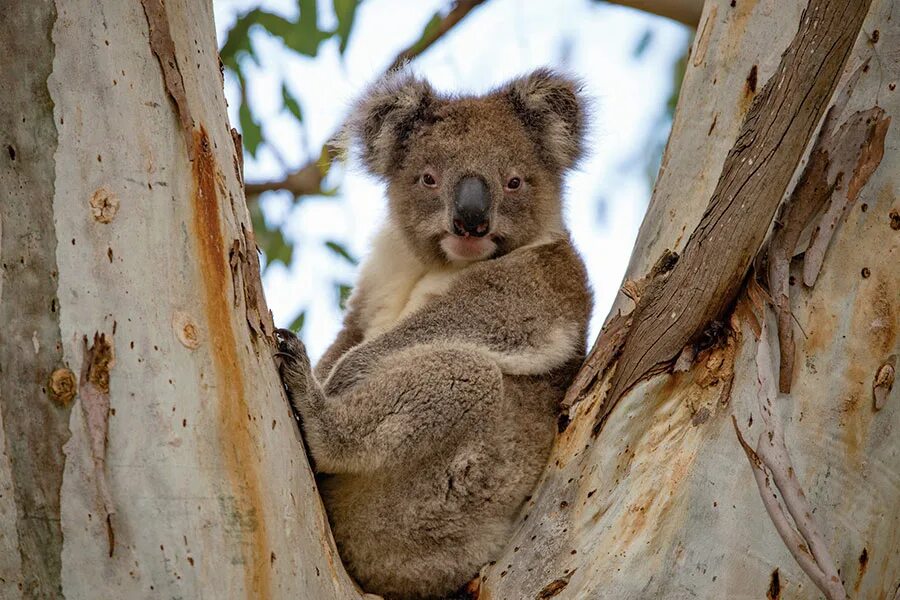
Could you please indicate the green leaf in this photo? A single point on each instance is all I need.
(643, 44)
(324, 161)
(279, 249)
(237, 41)
(271, 241)
(250, 129)
(297, 324)
(345, 10)
(341, 251)
(302, 35)
(428, 33)
(291, 103)
(678, 71)
(343, 291)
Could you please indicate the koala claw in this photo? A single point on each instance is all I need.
(290, 348)
(293, 366)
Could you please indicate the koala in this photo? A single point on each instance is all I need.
(431, 417)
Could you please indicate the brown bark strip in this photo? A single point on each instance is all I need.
(756, 172)
(856, 146)
(94, 394)
(307, 179)
(163, 47)
(884, 382)
(605, 350)
(35, 427)
(235, 435)
(806, 201)
(238, 155)
(259, 318)
(684, 11)
(779, 488)
(609, 343)
(859, 148)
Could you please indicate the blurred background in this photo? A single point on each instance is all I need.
(293, 67)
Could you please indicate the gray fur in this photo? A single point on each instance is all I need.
(429, 433)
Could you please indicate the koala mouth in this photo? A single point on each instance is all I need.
(468, 248)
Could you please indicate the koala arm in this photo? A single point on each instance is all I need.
(527, 326)
(420, 399)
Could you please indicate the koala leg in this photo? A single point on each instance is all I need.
(414, 402)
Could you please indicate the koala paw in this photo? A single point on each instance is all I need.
(293, 365)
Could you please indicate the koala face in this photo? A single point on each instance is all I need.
(471, 178)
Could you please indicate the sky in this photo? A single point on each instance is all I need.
(625, 58)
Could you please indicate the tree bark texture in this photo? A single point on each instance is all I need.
(146, 449)
(650, 493)
(733, 434)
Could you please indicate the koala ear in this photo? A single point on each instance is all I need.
(553, 113)
(385, 117)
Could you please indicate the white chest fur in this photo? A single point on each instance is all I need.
(396, 283)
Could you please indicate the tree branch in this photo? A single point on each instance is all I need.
(683, 11)
(758, 169)
(308, 178)
(460, 10)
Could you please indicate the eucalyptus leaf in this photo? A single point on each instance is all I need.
(275, 247)
(341, 251)
(237, 40)
(345, 10)
(297, 324)
(643, 43)
(343, 291)
(291, 103)
(304, 36)
(251, 132)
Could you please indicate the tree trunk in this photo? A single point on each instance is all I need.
(649, 493)
(146, 448)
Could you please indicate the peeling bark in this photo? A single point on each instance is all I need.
(861, 149)
(836, 152)
(648, 493)
(774, 472)
(35, 427)
(94, 394)
(758, 168)
(163, 47)
(195, 465)
(177, 471)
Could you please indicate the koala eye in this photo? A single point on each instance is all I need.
(428, 180)
(513, 184)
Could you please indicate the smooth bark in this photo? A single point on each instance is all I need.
(146, 449)
(145, 445)
(649, 493)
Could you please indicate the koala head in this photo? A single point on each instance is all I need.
(471, 177)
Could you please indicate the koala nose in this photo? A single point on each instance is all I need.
(471, 206)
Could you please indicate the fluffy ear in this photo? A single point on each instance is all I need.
(553, 113)
(385, 117)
